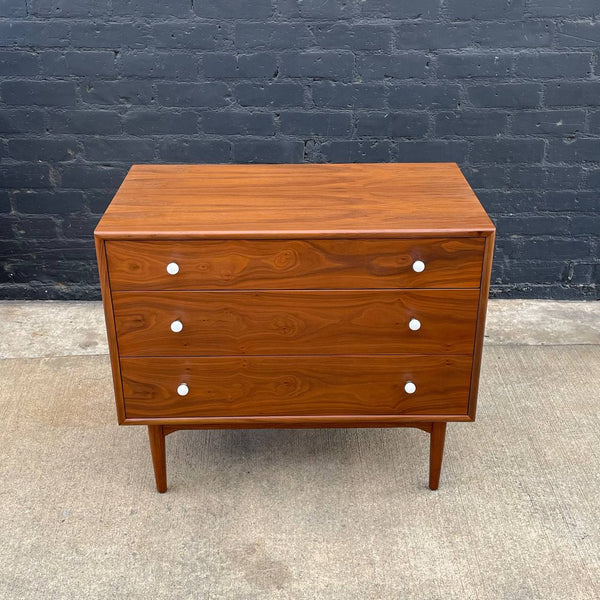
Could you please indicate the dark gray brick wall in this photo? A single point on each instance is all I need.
(510, 89)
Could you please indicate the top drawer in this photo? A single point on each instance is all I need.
(295, 264)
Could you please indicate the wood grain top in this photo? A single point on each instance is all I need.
(294, 201)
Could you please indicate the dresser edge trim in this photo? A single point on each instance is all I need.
(295, 422)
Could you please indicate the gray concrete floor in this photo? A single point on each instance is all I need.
(302, 514)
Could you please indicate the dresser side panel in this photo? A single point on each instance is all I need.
(484, 292)
(110, 326)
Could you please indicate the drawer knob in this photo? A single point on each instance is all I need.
(418, 266)
(413, 324)
(176, 326)
(183, 389)
(172, 268)
(410, 387)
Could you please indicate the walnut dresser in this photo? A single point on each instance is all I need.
(333, 295)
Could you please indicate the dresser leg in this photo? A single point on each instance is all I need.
(436, 453)
(159, 459)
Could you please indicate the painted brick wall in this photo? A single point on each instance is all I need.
(509, 89)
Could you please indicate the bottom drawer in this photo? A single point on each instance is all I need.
(296, 385)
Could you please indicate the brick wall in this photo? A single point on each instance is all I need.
(509, 89)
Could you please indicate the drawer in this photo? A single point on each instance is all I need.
(300, 385)
(295, 264)
(296, 322)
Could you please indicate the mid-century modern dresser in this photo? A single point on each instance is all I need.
(332, 295)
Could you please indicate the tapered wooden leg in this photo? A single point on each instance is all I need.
(159, 459)
(436, 453)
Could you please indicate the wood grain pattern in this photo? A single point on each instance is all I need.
(302, 200)
(297, 421)
(332, 385)
(436, 454)
(486, 274)
(156, 435)
(296, 322)
(425, 426)
(309, 266)
(295, 264)
(109, 318)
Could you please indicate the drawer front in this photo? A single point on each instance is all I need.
(296, 322)
(263, 386)
(294, 264)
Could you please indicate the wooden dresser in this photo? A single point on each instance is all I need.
(334, 295)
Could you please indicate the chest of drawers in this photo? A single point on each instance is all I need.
(295, 296)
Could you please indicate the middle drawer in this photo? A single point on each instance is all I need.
(296, 322)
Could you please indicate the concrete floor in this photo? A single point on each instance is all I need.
(315, 514)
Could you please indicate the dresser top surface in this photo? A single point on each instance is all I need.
(294, 201)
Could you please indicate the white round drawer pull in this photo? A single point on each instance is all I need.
(183, 389)
(413, 324)
(410, 387)
(176, 326)
(418, 266)
(172, 268)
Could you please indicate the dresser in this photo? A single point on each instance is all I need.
(331, 295)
